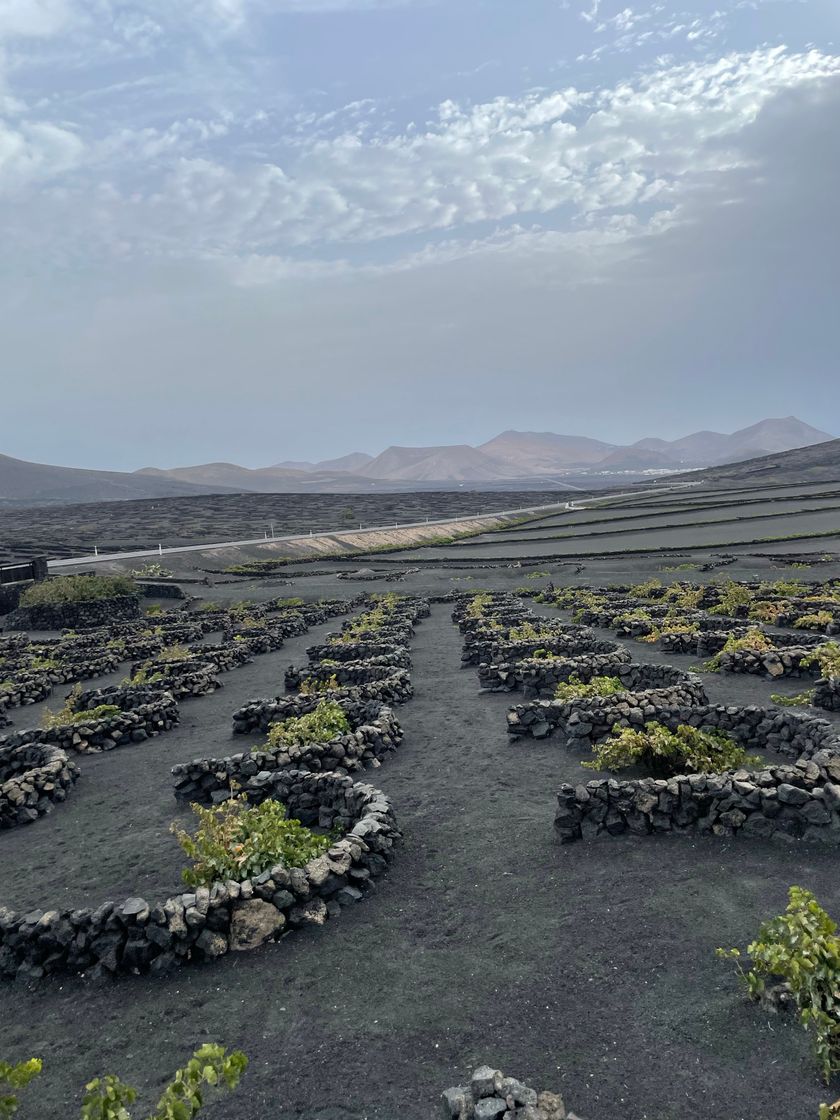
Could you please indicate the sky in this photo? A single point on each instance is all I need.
(260, 230)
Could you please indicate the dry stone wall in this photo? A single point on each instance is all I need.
(34, 776)
(74, 616)
(800, 800)
(136, 936)
(375, 734)
(649, 689)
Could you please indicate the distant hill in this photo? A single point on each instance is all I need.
(21, 481)
(704, 449)
(545, 452)
(511, 460)
(420, 464)
(355, 461)
(818, 463)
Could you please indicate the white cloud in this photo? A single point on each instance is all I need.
(36, 152)
(592, 152)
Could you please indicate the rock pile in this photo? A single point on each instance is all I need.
(492, 1096)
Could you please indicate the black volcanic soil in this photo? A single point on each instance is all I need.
(73, 530)
(589, 968)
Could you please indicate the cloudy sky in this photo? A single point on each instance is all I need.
(258, 230)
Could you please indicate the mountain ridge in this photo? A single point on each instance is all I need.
(529, 459)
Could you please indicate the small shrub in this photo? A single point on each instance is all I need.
(13, 1078)
(175, 652)
(89, 715)
(754, 641)
(765, 611)
(648, 590)
(107, 1098)
(827, 656)
(669, 626)
(784, 587)
(732, 596)
(574, 688)
(801, 950)
(527, 632)
(686, 750)
(144, 676)
(478, 604)
(152, 569)
(816, 621)
(77, 589)
(318, 726)
(684, 596)
(319, 684)
(800, 700)
(235, 840)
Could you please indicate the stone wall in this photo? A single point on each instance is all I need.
(488, 650)
(360, 651)
(589, 719)
(346, 673)
(540, 676)
(259, 714)
(137, 936)
(135, 725)
(33, 777)
(770, 663)
(827, 694)
(74, 616)
(375, 734)
(799, 800)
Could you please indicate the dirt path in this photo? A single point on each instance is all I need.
(589, 967)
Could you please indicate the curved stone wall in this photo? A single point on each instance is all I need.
(136, 936)
(649, 689)
(540, 676)
(132, 725)
(258, 715)
(799, 800)
(33, 777)
(376, 733)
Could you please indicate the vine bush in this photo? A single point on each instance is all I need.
(77, 589)
(686, 750)
(827, 656)
(799, 953)
(574, 688)
(108, 1098)
(754, 640)
(235, 840)
(320, 725)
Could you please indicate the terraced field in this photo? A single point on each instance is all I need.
(504, 918)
